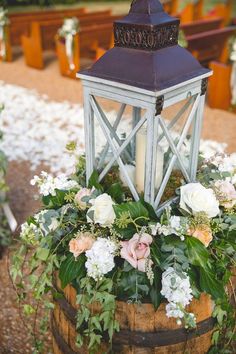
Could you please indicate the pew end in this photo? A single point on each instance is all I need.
(64, 66)
(219, 90)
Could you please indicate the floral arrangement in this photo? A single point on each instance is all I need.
(3, 22)
(68, 30)
(110, 247)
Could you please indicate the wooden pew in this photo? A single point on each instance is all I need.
(219, 90)
(193, 11)
(198, 10)
(20, 23)
(43, 37)
(86, 44)
(211, 45)
(171, 6)
(46, 13)
(224, 10)
(201, 26)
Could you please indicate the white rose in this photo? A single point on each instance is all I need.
(195, 198)
(103, 212)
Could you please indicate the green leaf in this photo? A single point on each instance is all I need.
(28, 310)
(71, 269)
(116, 192)
(210, 285)
(197, 253)
(151, 211)
(155, 294)
(42, 254)
(156, 253)
(93, 181)
(135, 209)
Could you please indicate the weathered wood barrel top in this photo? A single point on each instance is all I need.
(142, 329)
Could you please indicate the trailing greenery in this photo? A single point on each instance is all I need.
(5, 233)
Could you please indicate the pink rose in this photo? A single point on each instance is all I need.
(81, 244)
(225, 193)
(84, 192)
(137, 250)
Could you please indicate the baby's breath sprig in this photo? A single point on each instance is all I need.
(200, 219)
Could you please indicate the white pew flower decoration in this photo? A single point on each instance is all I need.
(4, 21)
(233, 75)
(68, 31)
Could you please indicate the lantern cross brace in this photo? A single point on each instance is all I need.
(114, 146)
(176, 118)
(122, 147)
(114, 128)
(174, 149)
(108, 124)
(178, 147)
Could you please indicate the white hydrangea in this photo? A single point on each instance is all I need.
(176, 289)
(48, 184)
(100, 258)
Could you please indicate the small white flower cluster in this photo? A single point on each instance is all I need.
(100, 258)
(223, 162)
(173, 227)
(30, 233)
(177, 291)
(48, 184)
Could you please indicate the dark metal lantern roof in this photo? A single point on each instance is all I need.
(146, 52)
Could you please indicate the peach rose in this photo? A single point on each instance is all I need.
(81, 244)
(84, 192)
(203, 234)
(137, 250)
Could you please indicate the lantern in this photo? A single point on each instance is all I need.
(148, 71)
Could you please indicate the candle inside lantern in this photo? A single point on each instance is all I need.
(141, 141)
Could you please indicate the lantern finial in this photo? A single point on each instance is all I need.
(146, 6)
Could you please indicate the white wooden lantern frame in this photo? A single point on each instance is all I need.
(153, 103)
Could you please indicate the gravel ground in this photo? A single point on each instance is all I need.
(218, 125)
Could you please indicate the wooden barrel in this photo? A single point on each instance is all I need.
(142, 329)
